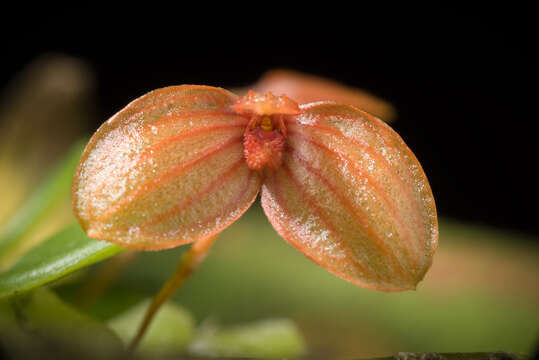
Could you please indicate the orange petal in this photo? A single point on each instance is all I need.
(353, 198)
(166, 170)
(305, 88)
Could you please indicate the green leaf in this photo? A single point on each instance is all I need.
(48, 196)
(272, 338)
(59, 255)
(169, 333)
(40, 319)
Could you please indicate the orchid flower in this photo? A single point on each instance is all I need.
(180, 164)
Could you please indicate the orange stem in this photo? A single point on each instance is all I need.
(189, 262)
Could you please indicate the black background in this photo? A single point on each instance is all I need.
(464, 84)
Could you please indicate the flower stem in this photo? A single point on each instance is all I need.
(189, 262)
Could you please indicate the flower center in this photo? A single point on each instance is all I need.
(264, 140)
(263, 148)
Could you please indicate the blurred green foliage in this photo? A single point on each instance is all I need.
(252, 274)
(47, 199)
(273, 338)
(39, 321)
(61, 254)
(170, 332)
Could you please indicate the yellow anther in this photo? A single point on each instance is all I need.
(266, 123)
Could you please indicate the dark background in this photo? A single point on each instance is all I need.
(464, 85)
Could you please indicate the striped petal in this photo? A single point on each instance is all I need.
(353, 198)
(166, 170)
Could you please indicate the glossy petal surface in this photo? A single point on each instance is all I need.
(166, 170)
(353, 198)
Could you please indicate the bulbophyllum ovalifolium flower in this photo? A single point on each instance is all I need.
(182, 163)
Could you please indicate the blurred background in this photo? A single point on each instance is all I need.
(464, 88)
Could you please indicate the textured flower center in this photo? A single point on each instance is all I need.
(263, 147)
(264, 140)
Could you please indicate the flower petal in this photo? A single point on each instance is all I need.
(305, 88)
(353, 198)
(166, 170)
